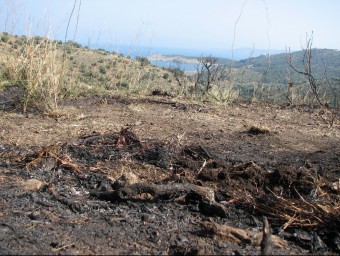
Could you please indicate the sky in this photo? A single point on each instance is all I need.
(191, 24)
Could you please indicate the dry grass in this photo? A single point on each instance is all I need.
(47, 72)
(40, 71)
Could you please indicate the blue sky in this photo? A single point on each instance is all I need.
(194, 24)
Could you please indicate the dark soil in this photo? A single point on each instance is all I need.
(145, 176)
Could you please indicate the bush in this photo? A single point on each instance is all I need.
(19, 42)
(102, 79)
(91, 74)
(143, 61)
(102, 70)
(103, 51)
(37, 39)
(166, 76)
(73, 44)
(4, 38)
(122, 84)
(82, 68)
(145, 77)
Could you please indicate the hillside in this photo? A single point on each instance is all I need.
(82, 71)
(103, 154)
(276, 66)
(322, 59)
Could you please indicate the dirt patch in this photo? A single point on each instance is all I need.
(146, 177)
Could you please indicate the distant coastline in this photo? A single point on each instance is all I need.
(154, 52)
(174, 59)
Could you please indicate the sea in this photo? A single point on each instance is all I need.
(172, 64)
(145, 51)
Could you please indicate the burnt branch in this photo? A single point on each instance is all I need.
(192, 193)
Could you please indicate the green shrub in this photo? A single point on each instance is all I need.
(37, 39)
(82, 68)
(75, 44)
(19, 42)
(145, 77)
(4, 38)
(102, 70)
(122, 84)
(103, 51)
(165, 76)
(102, 79)
(143, 61)
(90, 74)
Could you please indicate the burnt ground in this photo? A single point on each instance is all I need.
(148, 176)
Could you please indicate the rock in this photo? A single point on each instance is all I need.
(336, 186)
(33, 184)
(125, 180)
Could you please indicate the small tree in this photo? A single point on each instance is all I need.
(307, 72)
(207, 64)
(178, 74)
(209, 72)
(314, 88)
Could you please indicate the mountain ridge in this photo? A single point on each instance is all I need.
(323, 61)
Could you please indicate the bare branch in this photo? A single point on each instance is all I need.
(307, 61)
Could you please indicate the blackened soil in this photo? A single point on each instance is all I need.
(46, 191)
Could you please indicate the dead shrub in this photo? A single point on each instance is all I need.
(255, 130)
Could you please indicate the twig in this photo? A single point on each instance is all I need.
(204, 164)
(266, 243)
(62, 247)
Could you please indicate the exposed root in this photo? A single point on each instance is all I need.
(193, 193)
(239, 236)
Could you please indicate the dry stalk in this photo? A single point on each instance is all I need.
(37, 69)
(301, 213)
